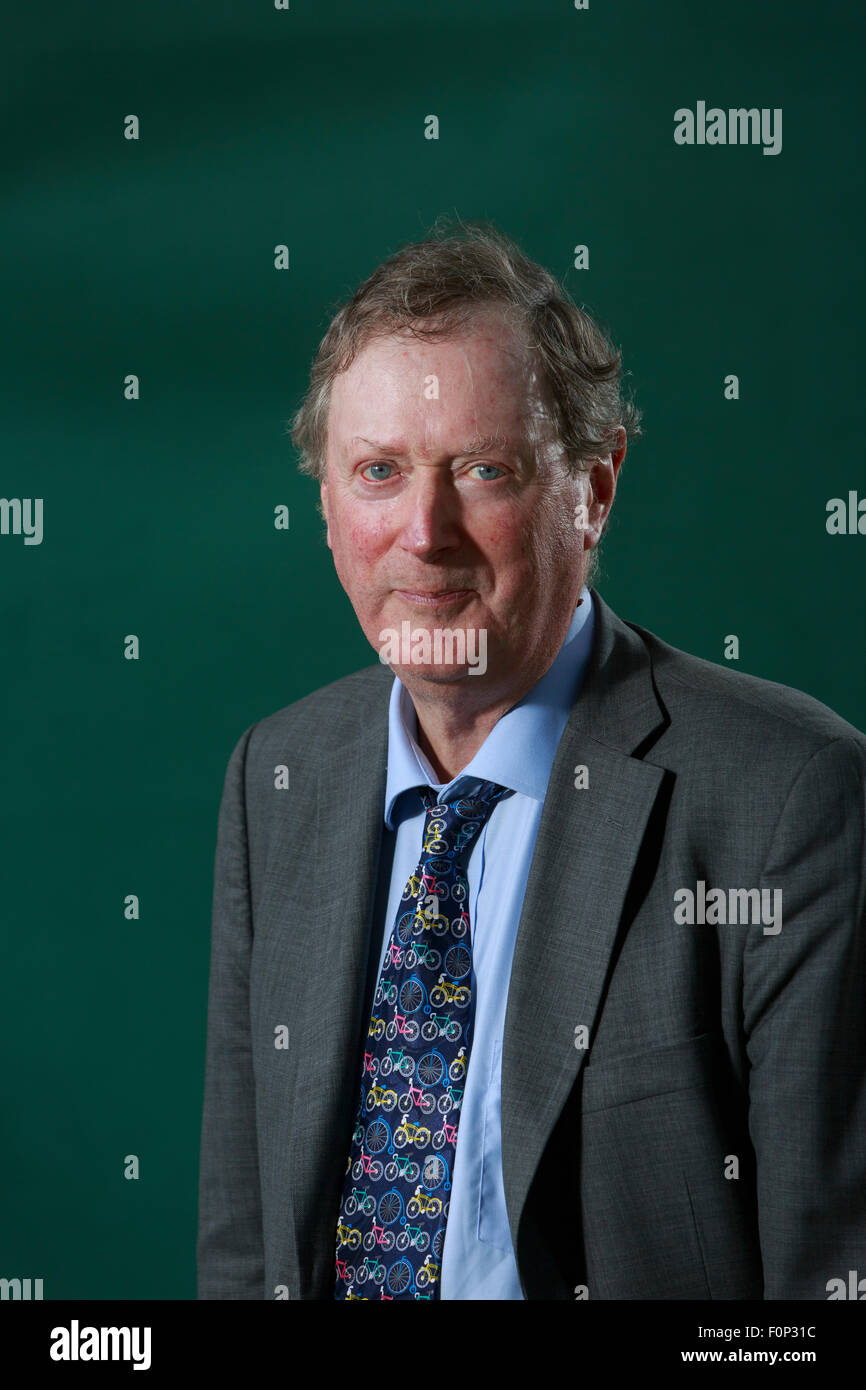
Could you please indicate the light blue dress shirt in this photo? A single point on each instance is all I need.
(478, 1258)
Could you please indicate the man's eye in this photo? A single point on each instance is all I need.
(491, 467)
(378, 478)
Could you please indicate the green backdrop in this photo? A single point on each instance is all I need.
(155, 257)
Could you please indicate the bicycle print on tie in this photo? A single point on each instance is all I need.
(394, 1209)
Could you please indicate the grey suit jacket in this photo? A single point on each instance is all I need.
(709, 1141)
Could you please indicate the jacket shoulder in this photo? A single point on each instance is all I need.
(328, 717)
(738, 699)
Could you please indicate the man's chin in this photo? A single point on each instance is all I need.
(419, 675)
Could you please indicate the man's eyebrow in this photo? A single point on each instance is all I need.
(478, 444)
(481, 443)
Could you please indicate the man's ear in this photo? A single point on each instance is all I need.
(323, 497)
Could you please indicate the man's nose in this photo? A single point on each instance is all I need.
(431, 513)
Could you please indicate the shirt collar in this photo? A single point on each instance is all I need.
(520, 748)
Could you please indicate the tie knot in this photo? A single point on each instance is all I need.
(451, 825)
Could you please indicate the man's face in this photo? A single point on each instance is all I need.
(432, 525)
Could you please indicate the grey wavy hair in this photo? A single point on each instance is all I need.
(431, 289)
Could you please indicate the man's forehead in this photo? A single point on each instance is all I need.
(482, 407)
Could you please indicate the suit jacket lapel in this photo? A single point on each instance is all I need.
(587, 844)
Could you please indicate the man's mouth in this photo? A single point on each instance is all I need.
(433, 598)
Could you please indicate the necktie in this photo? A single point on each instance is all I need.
(391, 1227)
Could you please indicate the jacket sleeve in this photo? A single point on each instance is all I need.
(804, 1002)
(230, 1245)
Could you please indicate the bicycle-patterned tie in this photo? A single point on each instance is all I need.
(391, 1227)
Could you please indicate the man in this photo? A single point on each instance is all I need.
(538, 971)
